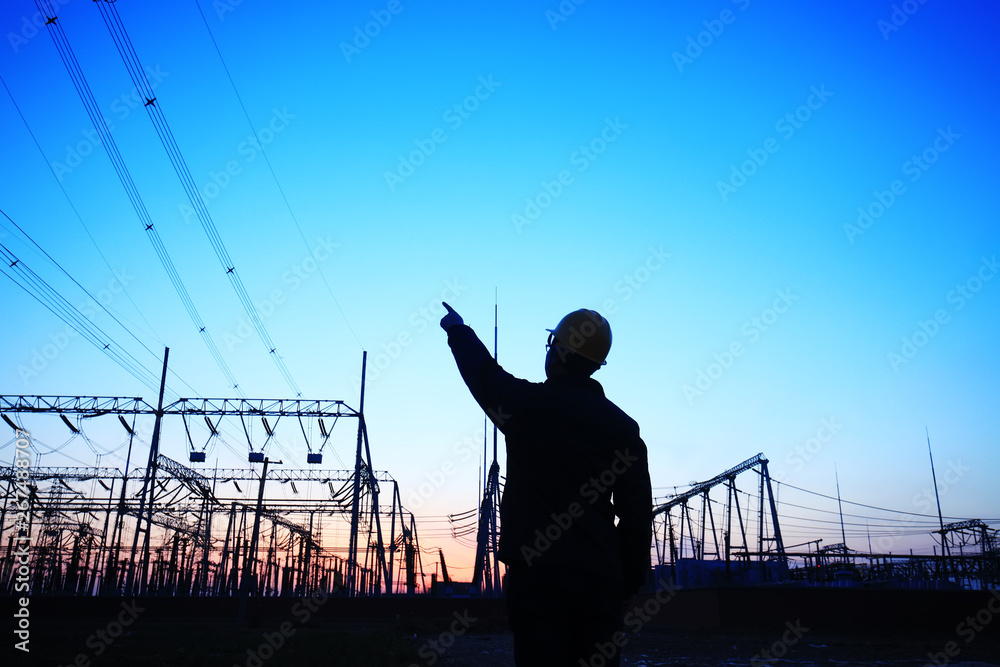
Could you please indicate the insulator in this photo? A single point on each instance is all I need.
(16, 427)
(69, 424)
(125, 424)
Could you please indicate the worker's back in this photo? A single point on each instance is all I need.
(576, 514)
(567, 452)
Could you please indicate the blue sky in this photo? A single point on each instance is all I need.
(695, 172)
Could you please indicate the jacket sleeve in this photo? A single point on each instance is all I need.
(498, 393)
(633, 500)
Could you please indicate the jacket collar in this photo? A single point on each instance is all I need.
(587, 383)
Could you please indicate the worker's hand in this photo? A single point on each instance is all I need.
(451, 318)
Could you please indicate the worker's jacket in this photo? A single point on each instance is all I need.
(575, 461)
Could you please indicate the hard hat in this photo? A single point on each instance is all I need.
(586, 333)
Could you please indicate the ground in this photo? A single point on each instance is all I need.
(715, 648)
(429, 641)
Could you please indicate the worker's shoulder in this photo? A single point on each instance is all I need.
(612, 406)
(622, 420)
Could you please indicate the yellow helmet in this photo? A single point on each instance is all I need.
(586, 333)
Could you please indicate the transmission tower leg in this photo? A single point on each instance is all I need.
(352, 552)
(249, 564)
(150, 483)
(379, 560)
(776, 527)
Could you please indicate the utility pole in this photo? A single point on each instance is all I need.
(840, 508)
(250, 562)
(352, 552)
(149, 485)
(111, 579)
(486, 574)
(937, 496)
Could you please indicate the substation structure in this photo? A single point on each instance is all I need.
(693, 550)
(168, 529)
(697, 545)
(968, 556)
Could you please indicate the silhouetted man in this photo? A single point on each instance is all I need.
(575, 462)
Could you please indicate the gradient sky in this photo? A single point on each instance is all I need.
(698, 171)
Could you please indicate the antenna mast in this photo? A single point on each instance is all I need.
(495, 356)
(937, 496)
(843, 535)
(486, 577)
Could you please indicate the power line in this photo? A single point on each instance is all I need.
(784, 503)
(872, 507)
(126, 50)
(267, 161)
(55, 302)
(75, 211)
(863, 525)
(17, 262)
(93, 111)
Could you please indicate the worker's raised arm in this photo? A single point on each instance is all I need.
(498, 393)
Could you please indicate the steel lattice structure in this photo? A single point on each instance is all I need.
(679, 531)
(87, 541)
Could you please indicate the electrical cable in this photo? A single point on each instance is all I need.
(59, 266)
(69, 314)
(75, 211)
(880, 509)
(267, 161)
(93, 111)
(126, 51)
